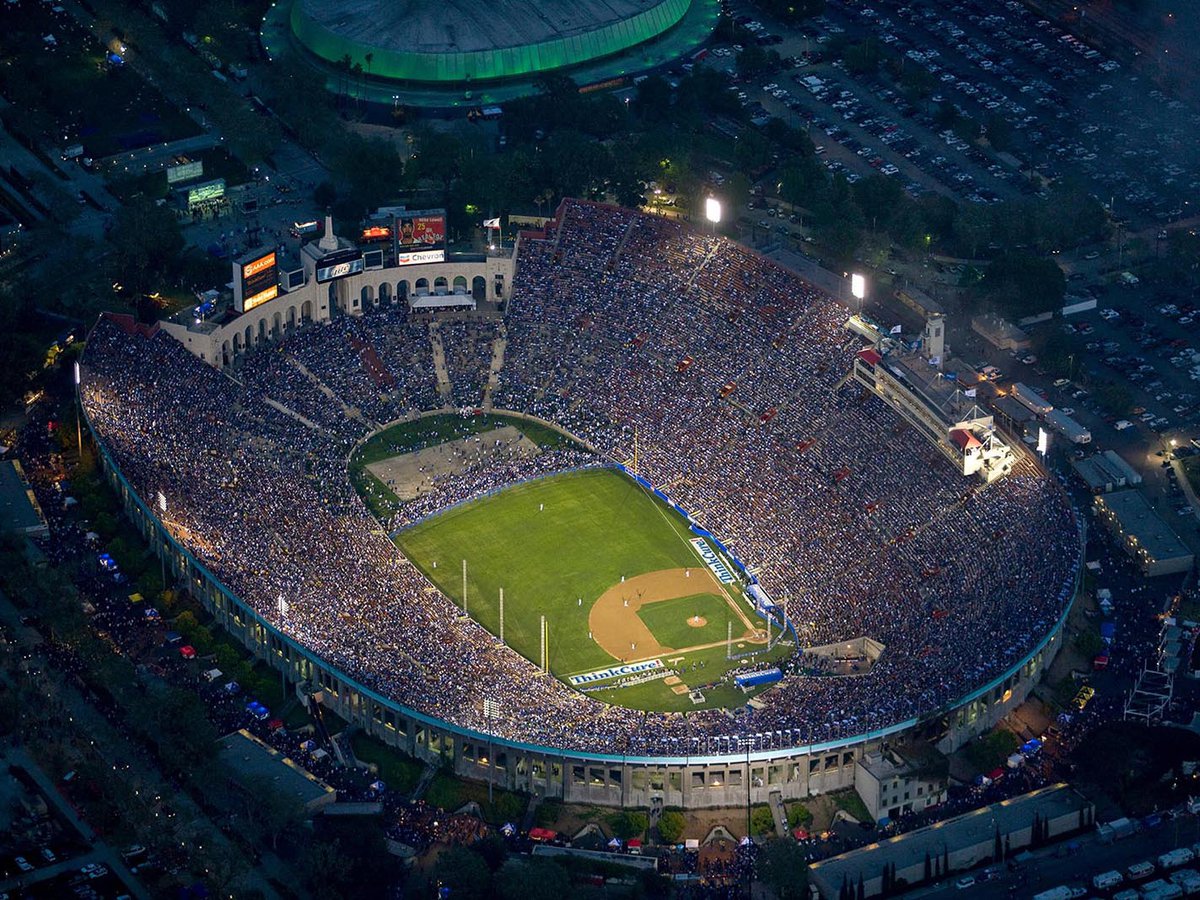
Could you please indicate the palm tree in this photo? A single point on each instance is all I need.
(345, 64)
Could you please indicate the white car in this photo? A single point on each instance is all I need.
(23, 864)
(1122, 425)
(967, 881)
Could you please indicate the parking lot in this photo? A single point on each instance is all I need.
(1055, 106)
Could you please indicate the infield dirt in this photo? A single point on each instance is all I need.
(620, 631)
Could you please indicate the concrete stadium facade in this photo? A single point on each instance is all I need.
(313, 303)
(702, 777)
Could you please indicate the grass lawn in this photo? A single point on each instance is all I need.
(69, 96)
(548, 543)
(668, 620)
(398, 772)
(429, 431)
(698, 669)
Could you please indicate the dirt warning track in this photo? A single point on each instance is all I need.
(619, 630)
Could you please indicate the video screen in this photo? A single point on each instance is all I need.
(260, 281)
(420, 237)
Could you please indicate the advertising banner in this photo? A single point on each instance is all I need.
(420, 237)
(260, 281)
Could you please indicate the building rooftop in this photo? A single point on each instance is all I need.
(966, 830)
(248, 756)
(942, 389)
(19, 509)
(466, 26)
(1138, 520)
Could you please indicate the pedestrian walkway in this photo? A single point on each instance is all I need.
(423, 782)
(779, 813)
(439, 361)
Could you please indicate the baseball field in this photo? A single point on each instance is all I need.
(611, 569)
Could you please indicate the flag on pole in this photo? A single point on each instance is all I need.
(935, 360)
(491, 223)
(970, 392)
(950, 376)
(896, 329)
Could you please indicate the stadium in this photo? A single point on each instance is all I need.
(465, 51)
(670, 528)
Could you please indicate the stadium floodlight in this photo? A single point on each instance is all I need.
(1043, 442)
(712, 210)
(858, 286)
(76, 373)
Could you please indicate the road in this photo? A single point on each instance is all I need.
(100, 852)
(1052, 866)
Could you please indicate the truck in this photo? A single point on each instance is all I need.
(1172, 859)
(73, 152)
(1116, 830)
(1106, 881)
(1068, 427)
(1188, 879)
(1161, 890)
(1028, 397)
(1139, 871)
(1062, 892)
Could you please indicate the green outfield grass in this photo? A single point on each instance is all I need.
(667, 620)
(549, 543)
(697, 669)
(555, 545)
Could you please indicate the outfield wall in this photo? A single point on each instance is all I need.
(706, 772)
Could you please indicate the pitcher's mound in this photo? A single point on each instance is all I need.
(697, 621)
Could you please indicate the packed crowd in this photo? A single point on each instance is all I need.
(620, 325)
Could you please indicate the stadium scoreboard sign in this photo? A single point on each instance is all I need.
(339, 265)
(419, 236)
(185, 171)
(209, 190)
(257, 281)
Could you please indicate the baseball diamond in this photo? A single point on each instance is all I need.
(614, 571)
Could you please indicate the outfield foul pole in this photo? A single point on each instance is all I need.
(464, 587)
(543, 631)
(728, 640)
(502, 615)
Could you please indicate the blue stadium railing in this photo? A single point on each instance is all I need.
(701, 756)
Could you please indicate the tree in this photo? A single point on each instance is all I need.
(862, 58)
(999, 132)
(533, 879)
(762, 822)
(463, 872)
(671, 825)
(629, 824)
(147, 242)
(783, 868)
(799, 816)
(1021, 285)
(327, 871)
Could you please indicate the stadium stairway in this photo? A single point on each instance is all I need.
(349, 411)
(779, 813)
(423, 782)
(499, 345)
(439, 361)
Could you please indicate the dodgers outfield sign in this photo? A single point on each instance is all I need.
(615, 672)
(713, 561)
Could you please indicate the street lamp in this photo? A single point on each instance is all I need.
(78, 406)
(712, 212)
(858, 287)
